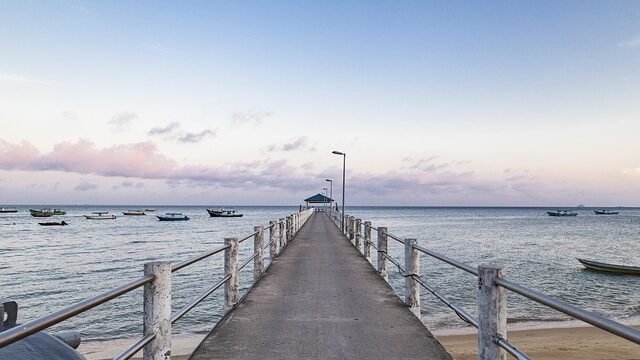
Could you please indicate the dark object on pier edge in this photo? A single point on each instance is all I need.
(39, 346)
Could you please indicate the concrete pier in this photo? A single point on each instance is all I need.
(320, 299)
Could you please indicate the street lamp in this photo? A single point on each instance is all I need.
(330, 193)
(325, 197)
(344, 163)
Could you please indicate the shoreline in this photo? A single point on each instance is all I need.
(558, 340)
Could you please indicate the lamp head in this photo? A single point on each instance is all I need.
(337, 152)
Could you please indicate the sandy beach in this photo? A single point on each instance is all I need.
(584, 343)
(564, 342)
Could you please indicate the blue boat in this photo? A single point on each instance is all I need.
(172, 217)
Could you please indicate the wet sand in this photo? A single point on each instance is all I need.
(584, 343)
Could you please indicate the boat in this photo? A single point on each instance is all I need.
(8, 210)
(224, 213)
(53, 223)
(134, 213)
(612, 268)
(561, 213)
(100, 215)
(149, 210)
(58, 212)
(41, 212)
(172, 217)
(605, 212)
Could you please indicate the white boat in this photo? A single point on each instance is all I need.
(172, 217)
(561, 213)
(100, 215)
(134, 212)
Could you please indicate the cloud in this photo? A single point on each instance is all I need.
(295, 144)
(121, 120)
(157, 47)
(631, 171)
(129, 184)
(164, 130)
(630, 44)
(196, 137)
(70, 115)
(251, 116)
(85, 186)
(20, 79)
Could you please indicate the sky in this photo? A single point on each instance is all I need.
(493, 103)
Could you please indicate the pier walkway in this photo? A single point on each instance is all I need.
(320, 299)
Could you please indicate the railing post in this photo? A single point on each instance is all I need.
(382, 251)
(258, 244)
(412, 268)
(288, 229)
(157, 310)
(231, 270)
(366, 247)
(273, 246)
(358, 232)
(492, 313)
(351, 228)
(281, 232)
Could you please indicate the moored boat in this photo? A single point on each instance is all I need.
(58, 212)
(7, 210)
(41, 212)
(100, 215)
(612, 268)
(53, 223)
(224, 213)
(172, 217)
(605, 212)
(561, 213)
(149, 210)
(134, 213)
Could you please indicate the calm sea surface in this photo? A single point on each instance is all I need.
(47, 268)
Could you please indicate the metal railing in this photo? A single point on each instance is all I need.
(492, 301)
(156, 281)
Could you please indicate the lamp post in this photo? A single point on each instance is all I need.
(325, 198)
(344, 163)
(330, 193)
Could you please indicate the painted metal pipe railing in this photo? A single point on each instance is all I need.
(156, 340)
(492, 301)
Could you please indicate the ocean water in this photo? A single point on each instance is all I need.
(47, 268)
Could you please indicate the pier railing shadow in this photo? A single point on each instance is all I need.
(157, 321)
(492, 282)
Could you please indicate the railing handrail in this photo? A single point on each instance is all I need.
(19, 332)
(601, 322)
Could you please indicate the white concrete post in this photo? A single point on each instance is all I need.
(273, 245)
(231, 269)
(351, 228)
(412, 268)
(358, 232)
(288, 229)
(492, 313)
(382, 251)
(366, 250)
(258, 245)
(157, 311)
(281, 238)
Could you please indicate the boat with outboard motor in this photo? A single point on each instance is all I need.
(134, 213)
(7, 210)
(100, 215)
(172, 217)
(224, 213)
(54, 223)
(561, 213)
(605, 212)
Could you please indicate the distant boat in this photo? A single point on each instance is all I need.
(53, 223)
(172, 217)
(561, 213)
(41, 212)
(134, 213)
(605, 212)
(100, 215)
(149, 210)
(612, 268)
(58, 212)
(7, 210)
(224, 213)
